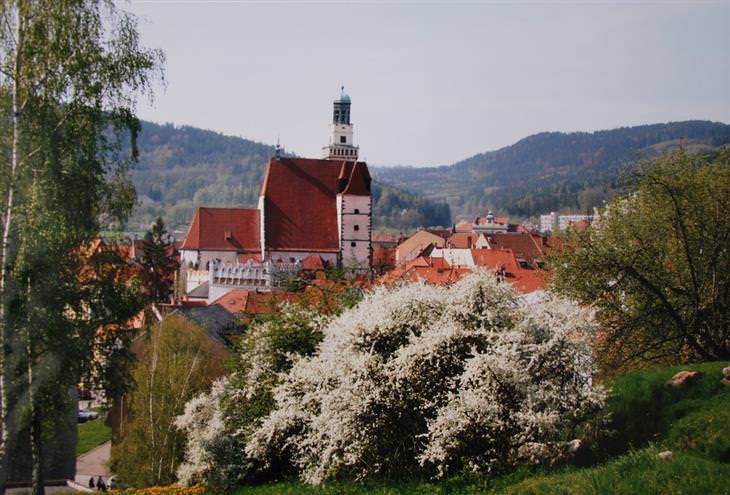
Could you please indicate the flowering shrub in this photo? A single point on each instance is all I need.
(425, 379)
(217, 423)
(202, 424)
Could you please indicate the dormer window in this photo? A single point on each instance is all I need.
(228, 236)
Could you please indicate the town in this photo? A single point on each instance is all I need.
(188, 312)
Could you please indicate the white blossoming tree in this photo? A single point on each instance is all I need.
(218, 423)
(420, 379)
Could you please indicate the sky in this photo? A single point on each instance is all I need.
(433, 83)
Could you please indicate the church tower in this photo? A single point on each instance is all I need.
(340, 145)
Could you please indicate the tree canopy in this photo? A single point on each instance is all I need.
(70, 73)
(656, 266)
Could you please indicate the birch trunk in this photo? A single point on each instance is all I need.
(5, 379)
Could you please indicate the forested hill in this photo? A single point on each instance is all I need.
(181, 168)
(551, 170)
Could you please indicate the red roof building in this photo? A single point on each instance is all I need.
(311, 213)
(300, 213)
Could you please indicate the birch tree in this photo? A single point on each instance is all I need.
(70, 72)
(176, 363)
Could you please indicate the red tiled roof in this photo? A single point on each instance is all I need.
(234, 301)
(523, 245)
(244, 257)
(494, 259)
(462, 240)
(301, 201)
(529, 280)
(313, 262)
(463, 226)
(252, 302)
(224, 229)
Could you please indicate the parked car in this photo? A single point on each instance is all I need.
(114, 484)
(86, 415)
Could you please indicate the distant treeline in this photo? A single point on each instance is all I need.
(181, 168)
(552, 171)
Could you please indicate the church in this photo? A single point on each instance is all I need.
(307, 208)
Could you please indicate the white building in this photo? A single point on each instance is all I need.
(307, 207)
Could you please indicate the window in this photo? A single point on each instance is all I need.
(353, 244)
(343, 139)
(357, 227)
(291, 260)
(357, 211)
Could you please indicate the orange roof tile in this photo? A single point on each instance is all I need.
(300, 201)
(224, 229)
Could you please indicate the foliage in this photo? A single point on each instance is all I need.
(656, 267)
(159, 263)
(92, 434)
(182, 168)
(176, 363)
(217, 424)
(550, 171)
(420, 379)
(69, 76)
(397, 209)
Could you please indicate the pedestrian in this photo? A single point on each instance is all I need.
(91, 482)
(99, 481)
(103, 485)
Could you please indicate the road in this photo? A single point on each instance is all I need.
(93, 463)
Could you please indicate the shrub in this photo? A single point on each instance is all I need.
(218, 423)
(427, 380)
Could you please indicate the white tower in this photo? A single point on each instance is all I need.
(340, 145)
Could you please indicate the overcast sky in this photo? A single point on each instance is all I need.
(436, 82)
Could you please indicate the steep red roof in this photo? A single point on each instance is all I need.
(494, 259)
(359, 181)
(522, 244)
(224, 229)
(301, 201)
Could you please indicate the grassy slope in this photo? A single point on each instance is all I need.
(92, 434)
(647, 416)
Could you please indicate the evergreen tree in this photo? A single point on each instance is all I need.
(159, 262)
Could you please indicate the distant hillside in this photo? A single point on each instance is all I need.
(181, 168)
(552, 170)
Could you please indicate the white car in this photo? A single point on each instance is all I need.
(86, 415)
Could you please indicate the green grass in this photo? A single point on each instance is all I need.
(638, 472)
(644, 409)
(91, 434)
(635, 473)
(647, 417)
